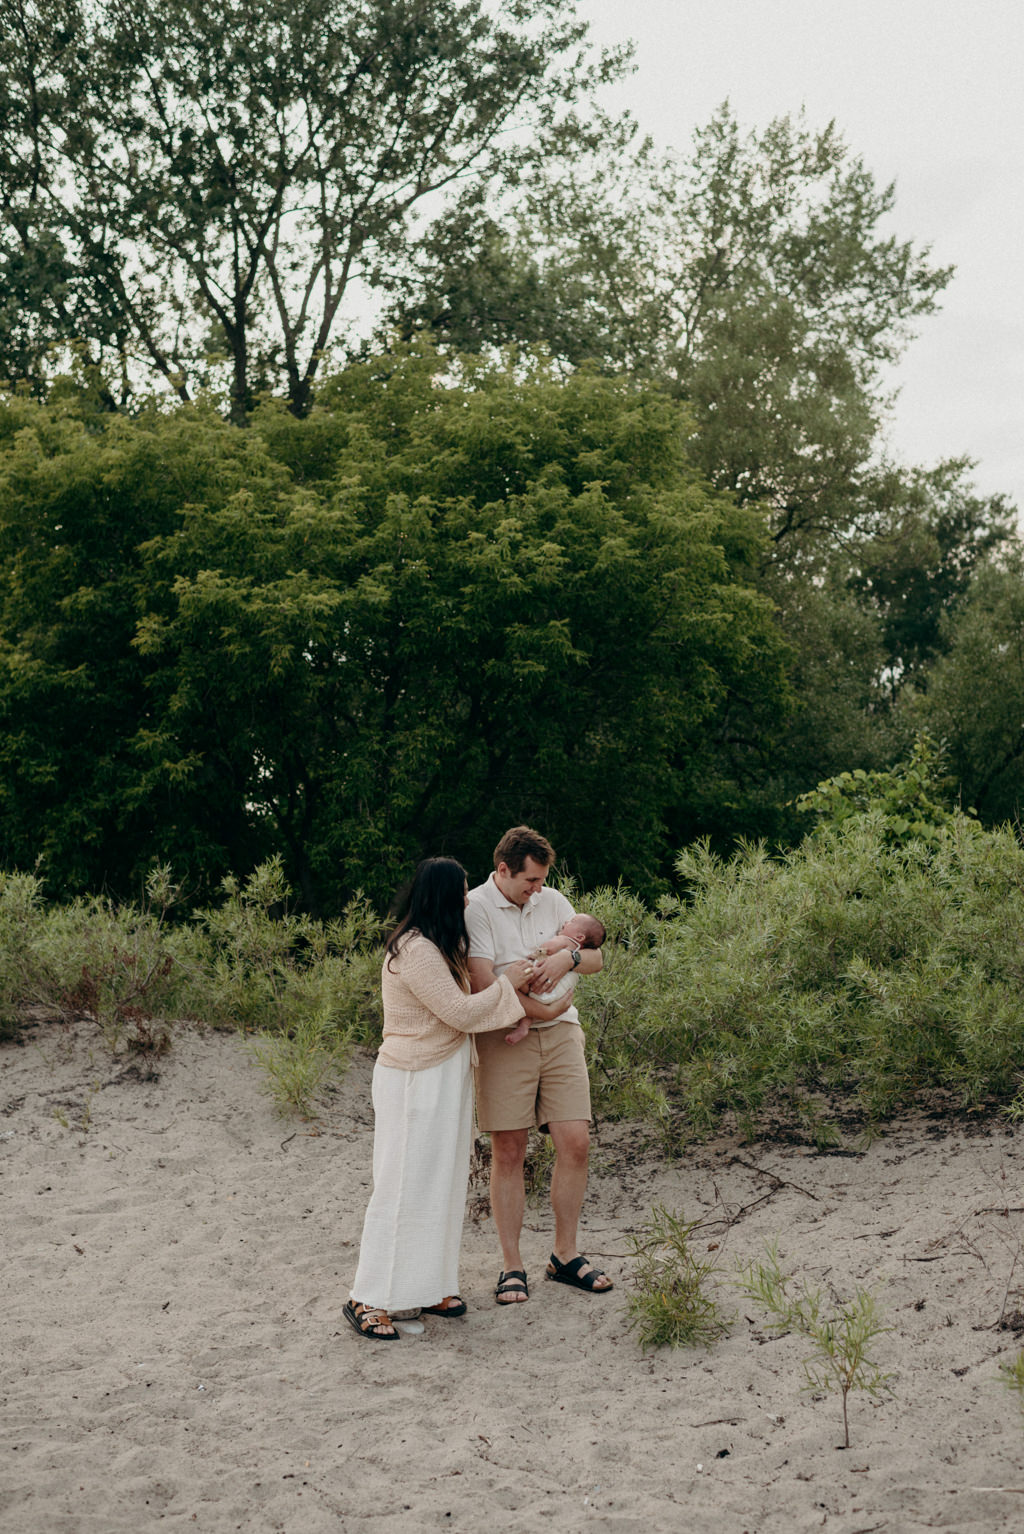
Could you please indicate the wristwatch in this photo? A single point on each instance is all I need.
(575, 958)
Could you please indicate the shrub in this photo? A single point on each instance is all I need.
(841, 1341)
(248, 963)
(851, 970)
(116, 964)
(672, 1304)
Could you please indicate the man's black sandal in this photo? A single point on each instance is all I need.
(512, 1282)
(569, 1273)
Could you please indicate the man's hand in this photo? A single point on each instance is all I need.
(549, 969)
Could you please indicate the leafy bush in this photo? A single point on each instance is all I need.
(853, 970)
(248, 963)
(911, 798)
(260, 966)
(864, 970)
(672, 1303)
(297, 1063)
(116, 964)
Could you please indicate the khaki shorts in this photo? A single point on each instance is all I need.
(539, 1081)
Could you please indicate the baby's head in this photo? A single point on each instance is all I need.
(586, 930)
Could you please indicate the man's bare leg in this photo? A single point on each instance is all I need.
(571, 1140)
(508, 1199)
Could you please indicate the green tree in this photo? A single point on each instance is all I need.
(866, 630)
(926, 533)
(753, 277)
(197, 187)
(439, 604)
(756, 279)
(975, 698)
(81, 492)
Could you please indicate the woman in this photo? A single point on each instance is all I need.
(423, 1105)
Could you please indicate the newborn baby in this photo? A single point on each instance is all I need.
(580, 931)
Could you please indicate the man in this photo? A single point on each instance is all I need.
(542, 1080)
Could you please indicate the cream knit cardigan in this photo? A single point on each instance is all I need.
(426, 1012)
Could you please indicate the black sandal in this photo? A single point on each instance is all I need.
(569, 1273)
(451, 1306)
(512, 1282)
(366, 1320)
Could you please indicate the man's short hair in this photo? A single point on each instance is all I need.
(520, 843)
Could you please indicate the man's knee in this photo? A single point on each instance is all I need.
(571, 1141)
(508, 1149)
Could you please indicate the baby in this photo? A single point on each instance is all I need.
(580, 931)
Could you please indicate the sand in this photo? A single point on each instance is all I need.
(176, 1256)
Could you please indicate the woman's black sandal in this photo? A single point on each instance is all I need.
(451, 1306)
(365, 1320)
(512, 1282)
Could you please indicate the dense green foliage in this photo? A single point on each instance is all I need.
(856, 976)
(975, 695)
(758, 278)
(433, 608)
(245, 962)
(645, 593)
(755, 276)
(905, 799)
(851, 976)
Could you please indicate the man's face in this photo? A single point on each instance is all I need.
(519, 887)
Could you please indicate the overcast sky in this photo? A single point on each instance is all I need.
(931, 94)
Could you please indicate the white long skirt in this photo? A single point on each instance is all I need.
(422, 1137)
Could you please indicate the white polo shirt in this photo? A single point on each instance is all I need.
(503, 932)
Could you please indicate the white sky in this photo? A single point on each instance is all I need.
(930, 93)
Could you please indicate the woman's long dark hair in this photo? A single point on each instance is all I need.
(436, 906)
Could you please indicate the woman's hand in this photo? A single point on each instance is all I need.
(520, 971)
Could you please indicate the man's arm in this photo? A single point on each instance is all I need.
(547, 971)
(482, 974)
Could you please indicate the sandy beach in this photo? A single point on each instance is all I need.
(176, 1256)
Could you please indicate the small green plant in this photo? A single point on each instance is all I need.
(840, 1360)
(298, 1062)
(1012, 1376)
(672, 1306)
(83, 1118)
(1014, 1110)
(91, 959)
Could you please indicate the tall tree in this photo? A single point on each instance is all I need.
(754, 277)
(82, 492)
(975, 701)
(926, 533)
(200, 184)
